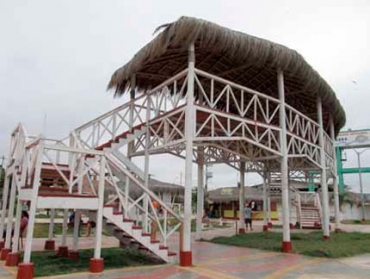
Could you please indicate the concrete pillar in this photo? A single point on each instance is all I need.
(286, 244)
(97, 263)
(324, 185)
(186, 254)
(200, 193)
(242, 198)
(335, 178)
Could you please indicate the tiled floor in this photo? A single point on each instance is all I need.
(227, 262)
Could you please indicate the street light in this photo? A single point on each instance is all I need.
(360, 177)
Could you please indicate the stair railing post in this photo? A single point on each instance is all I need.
(324, 185)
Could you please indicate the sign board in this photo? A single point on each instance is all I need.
(353, 139)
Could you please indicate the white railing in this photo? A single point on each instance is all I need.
(167, 96)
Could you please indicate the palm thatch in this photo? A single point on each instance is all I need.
(233, 55)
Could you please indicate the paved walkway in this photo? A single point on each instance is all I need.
(227, 262)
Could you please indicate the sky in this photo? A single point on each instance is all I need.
(56, 58)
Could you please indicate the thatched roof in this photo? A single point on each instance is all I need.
(232, 55)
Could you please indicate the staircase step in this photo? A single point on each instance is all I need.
(110, 205)
(171, 254)
(146, 234)
(161, 247)
(128, 220)
(117, 213)
(135, 227)
(154, 241)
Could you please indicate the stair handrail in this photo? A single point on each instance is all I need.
(318, 204)
(153, 196)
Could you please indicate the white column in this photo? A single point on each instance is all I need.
(284, 164)
(76, 228)
(5, 202)
(17, 226)
(324, 185)
(265, 201)
(200, 193)
(130, 144)
(268, 198)
(65, 227)
(51, 224)
(10, 213)
(32, 211)
(99, 215)
(146, 167)
(189, 135)
(335, 178)
(242, 197)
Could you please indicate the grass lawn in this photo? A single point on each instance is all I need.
(311, 244)
(48, 263)
(356, 222)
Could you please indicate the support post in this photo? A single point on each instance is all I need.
(286, 244)
(186, 254)
(242, 197)
(146, 167)
(26, 269)
(63, 249)
(4, 206)
(324, 185)
(74, 254)
(269, 223)
(50, 243)
(200, 193)
(6, 250)
(265, 200)
(335, 178)
(13, 257)
(97, 263)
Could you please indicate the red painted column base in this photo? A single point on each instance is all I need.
(269, 224)
(4, 254)
(12, 259)
(26, 271)
(74, 255)
(286, 246)
(185, 258)
(291, 226)
(49, 245)
(338, 231)
(2, 244)
(265, 228)
(96, 265)
(63, 251)
(325, 237)
(363, 220)
(241, 231)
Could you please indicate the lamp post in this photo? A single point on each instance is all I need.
(360, 178)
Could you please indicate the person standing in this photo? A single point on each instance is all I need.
(248, 216)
